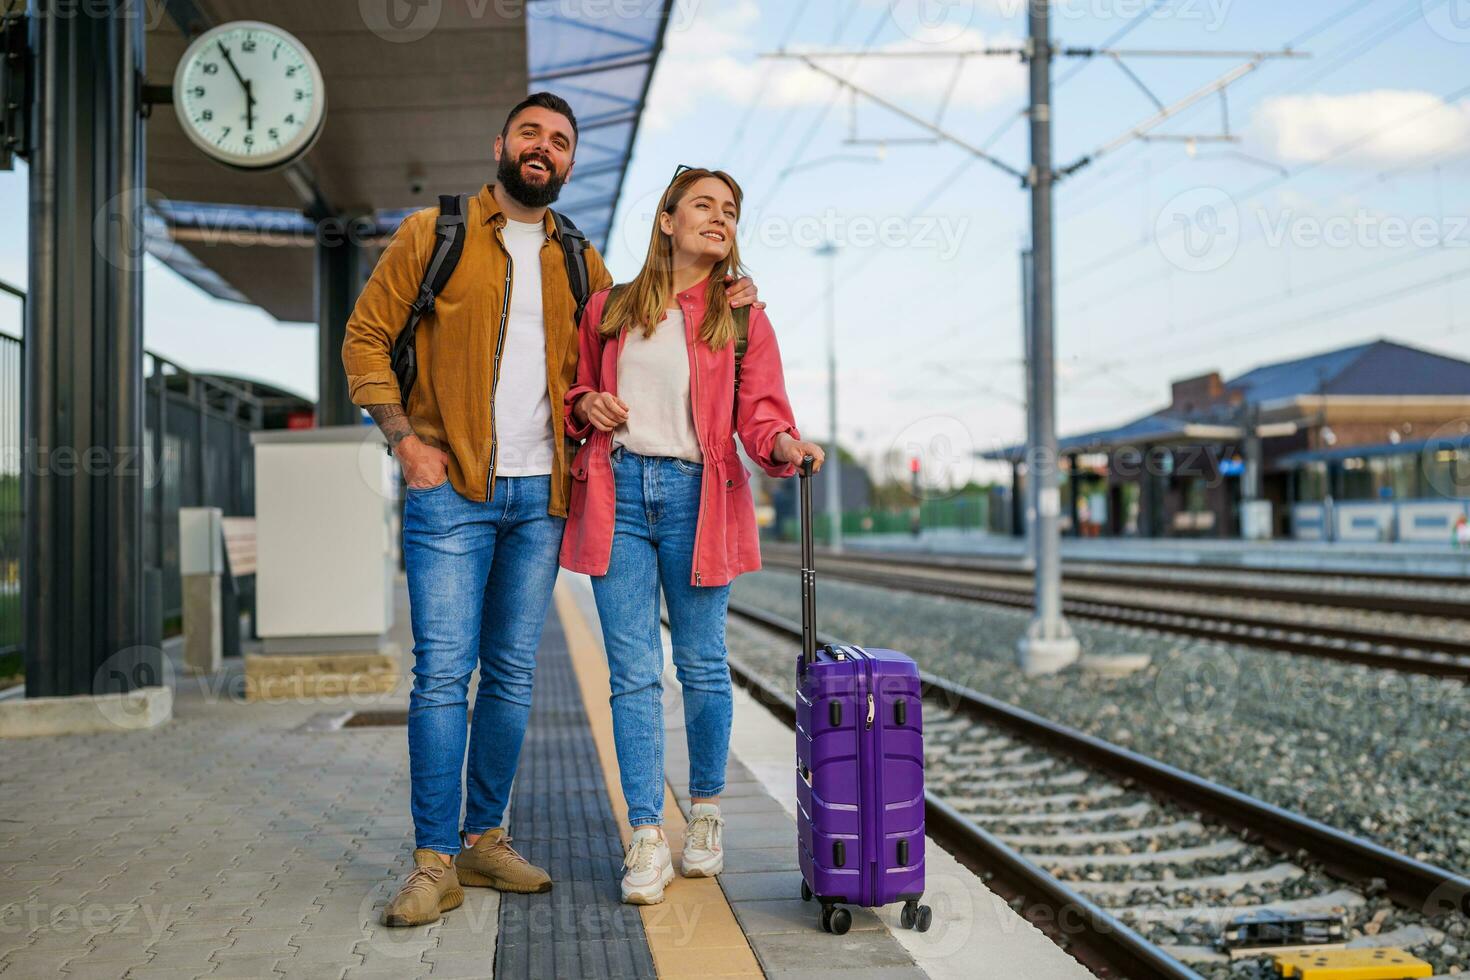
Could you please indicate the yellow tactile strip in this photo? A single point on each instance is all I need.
(693, 932)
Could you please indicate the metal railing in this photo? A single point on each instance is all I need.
(197, 442)
(197, 454)
(11, 516)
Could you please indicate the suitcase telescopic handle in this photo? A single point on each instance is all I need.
(808, 568)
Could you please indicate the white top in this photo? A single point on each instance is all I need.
(522, 404)
(653, 379)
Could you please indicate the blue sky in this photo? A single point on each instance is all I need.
(1340, 216)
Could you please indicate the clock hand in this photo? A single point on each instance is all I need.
(231, 62)
(249, 95)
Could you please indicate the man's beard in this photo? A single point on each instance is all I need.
(508, 175)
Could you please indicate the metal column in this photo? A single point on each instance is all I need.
(83, 539)
(338, 281)
(1048, 644)
(1026, 506)
(1074, 494)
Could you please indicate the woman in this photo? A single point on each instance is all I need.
(661, 498)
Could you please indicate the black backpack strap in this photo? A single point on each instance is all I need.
(742, 340)
(449, 239)
(574, 244)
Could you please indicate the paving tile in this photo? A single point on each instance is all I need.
(261, 965)
(755, 803)
(860, 951)
(792, 915)
(738, 860)
(759, 885)
(856, 973)
(758, 830)
(403, 971)
(462, 964)
(312, 971)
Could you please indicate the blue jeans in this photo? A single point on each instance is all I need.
(480, 577)
(653, 545)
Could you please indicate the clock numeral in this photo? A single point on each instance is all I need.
(199, 91)
(211, 68)
(226, 132)
(291, 119)
(250, 140)
(275, 134)
(248, 44)
(300, 95)
(208, 115)
(291, 71)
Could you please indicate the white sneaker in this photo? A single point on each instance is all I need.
(704, 852)
(647, 867)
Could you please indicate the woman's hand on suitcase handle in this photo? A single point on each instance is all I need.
(605, 411)
(793, 451)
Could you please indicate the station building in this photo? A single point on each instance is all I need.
(1364, 443)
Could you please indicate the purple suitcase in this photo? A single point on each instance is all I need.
(859, 769)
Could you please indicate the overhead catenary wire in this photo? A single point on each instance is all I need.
(826, 110)
(1345, 55)
(798, 10)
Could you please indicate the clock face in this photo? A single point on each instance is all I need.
(250, 95)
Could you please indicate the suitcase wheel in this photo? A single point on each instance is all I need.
(915, 916)
(836, 920)
(806, 891)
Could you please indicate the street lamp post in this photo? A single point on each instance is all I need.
(833, 465)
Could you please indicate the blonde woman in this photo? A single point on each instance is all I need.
(660, 499)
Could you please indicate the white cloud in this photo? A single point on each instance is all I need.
(1384, 128)
(714, 58)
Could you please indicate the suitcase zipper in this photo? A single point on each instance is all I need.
(870, 760)
(876, 847)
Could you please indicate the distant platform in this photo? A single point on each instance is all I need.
(1304, 556)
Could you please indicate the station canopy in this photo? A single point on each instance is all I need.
(409, 117)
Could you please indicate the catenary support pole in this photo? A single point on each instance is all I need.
(1048, 644)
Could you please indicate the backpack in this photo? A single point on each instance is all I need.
(742, 336)
(448, 247)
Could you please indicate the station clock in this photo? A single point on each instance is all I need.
(250, 95)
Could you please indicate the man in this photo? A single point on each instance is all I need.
(486, 464)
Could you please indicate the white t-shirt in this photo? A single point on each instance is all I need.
(653, 378)
(522, 404)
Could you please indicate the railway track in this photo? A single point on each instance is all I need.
(1421, 654)
(1144, 861)
(1273, 585)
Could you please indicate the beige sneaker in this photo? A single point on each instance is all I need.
(429, 891)
(647, 867)
(492, 863)
(704, 851)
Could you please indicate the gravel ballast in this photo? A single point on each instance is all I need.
(1376, 753)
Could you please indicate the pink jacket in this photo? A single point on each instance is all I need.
(726, 540)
